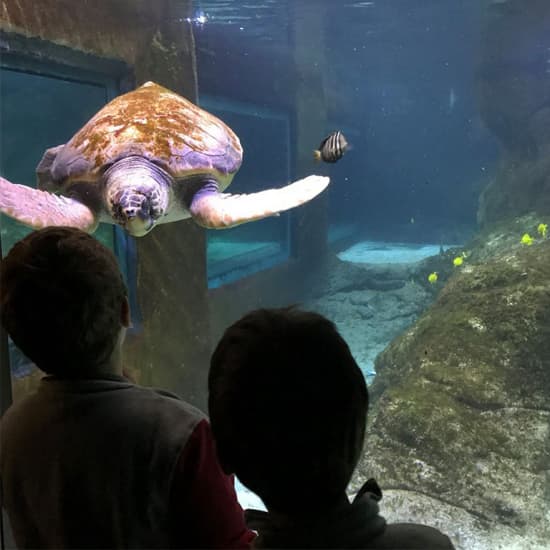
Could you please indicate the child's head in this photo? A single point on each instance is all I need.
(63, 300)
(288, 408)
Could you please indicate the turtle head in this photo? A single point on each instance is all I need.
(137, 194)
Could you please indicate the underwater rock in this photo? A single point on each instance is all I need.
(513, 83)
(520, 185)
(459, 431)
(343, 276)
(511, 77)
(369, 314)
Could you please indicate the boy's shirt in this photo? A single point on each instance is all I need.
(106, 463)
(201, 486)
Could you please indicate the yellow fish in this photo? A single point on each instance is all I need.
(459, 260)
(542, 228)
(432, 277)
(527, 239)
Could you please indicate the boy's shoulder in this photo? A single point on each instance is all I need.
(172, 400)
(121, 401)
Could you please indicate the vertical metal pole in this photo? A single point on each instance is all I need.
(5, 399)
(5, 373)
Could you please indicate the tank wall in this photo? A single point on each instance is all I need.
(109, 28)
(291, 281)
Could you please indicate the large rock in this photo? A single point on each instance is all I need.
(513, 90)
(370, 304)
(459, 431)
(519, 185)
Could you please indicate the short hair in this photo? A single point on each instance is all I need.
(61, 295)
(288, 407)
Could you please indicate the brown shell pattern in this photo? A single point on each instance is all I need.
(160, 125)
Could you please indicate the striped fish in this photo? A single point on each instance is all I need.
(332, 148)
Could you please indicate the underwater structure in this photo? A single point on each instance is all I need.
(429, 249)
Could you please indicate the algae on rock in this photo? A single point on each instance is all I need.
(460, 406)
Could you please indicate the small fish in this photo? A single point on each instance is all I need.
(527, 239)
(332, 148)
(432, 278)
(412, 220)
(459, 260)
(542, 229)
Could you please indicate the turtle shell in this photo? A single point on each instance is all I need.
(152, 122)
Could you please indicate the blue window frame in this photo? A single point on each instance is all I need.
(265, 137)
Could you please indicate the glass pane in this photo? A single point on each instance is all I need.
(38, 112)
(445, 188)
(264, 135)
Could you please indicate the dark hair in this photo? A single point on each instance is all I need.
(61, 295)
(288, 407)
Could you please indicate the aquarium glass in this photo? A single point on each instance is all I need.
(38, 111)
(444, 187)
(248, 248)
(430, 249)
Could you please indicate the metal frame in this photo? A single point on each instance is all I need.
(5, 400)
(208, 101)
(5, 375)
(34, 55)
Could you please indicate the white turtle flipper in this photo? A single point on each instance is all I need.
(39, 209)
(223, 210)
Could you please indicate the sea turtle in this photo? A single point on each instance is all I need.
(147, 157)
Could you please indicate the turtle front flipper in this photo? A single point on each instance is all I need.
(39, 209)
(221, 210)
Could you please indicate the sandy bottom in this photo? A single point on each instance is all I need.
(376, 252)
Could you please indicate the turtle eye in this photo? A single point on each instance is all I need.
(155, 205)
(146, 209)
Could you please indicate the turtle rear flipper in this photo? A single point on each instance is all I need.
(220, 210)
(39, 209)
